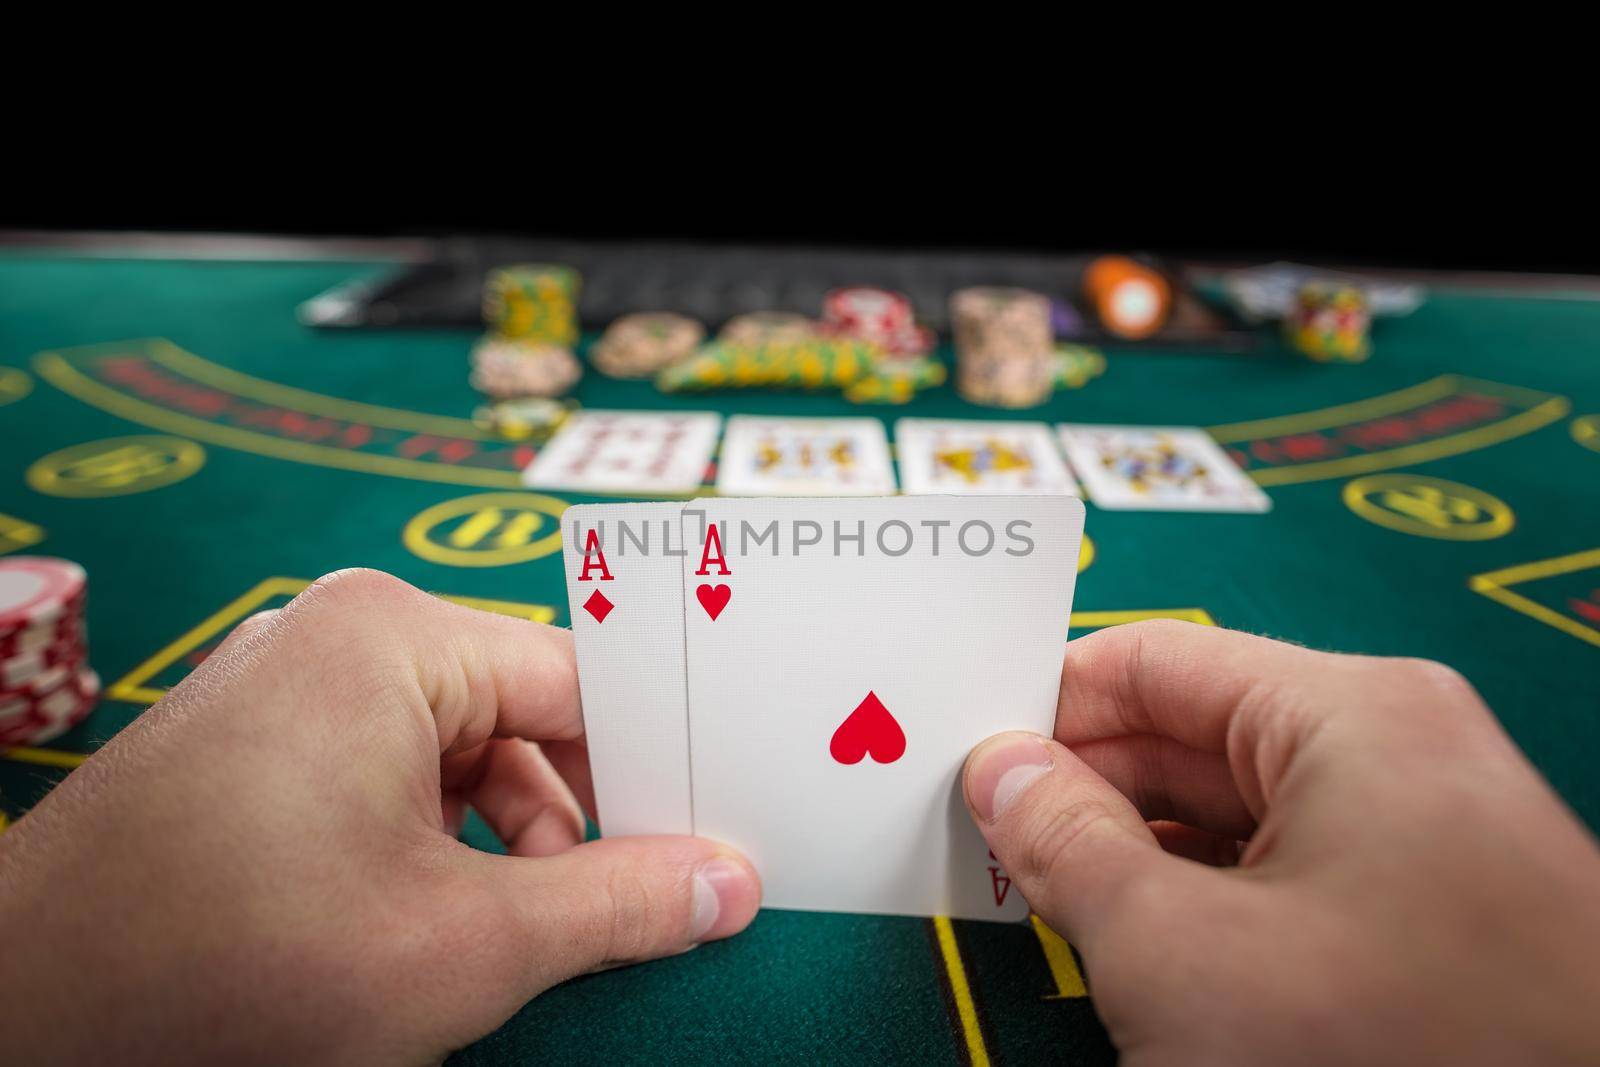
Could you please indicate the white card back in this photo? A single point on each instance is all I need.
(627, 623)
(951, 612)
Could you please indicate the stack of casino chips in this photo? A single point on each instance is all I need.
(46, 686)
(1004, 346)
(536, 301)
(1330, 322)
(644, 344)
(878, 316)
(532, 315)
(768, 327)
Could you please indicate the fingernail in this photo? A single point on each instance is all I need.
(1001, 770)
(720, 887)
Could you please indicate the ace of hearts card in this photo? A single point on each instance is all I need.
(842, 658)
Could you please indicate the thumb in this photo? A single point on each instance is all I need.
(1071, 843)
(614, 901)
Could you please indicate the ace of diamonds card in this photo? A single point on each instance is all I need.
(842, 659)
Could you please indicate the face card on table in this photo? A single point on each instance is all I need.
(627, 452)
(1159, 468)
(843, 658)
(983, 457)
(804, 457)
(625, 591)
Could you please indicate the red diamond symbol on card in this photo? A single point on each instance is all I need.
(598, 606)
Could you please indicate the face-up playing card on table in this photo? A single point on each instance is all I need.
(625, 590)
(1159, 468)
(843, 658)
(804, 457)
(973, 456)
(627, 452)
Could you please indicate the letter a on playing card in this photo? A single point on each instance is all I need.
(833, 704)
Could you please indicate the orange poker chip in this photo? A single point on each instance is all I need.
(1131, 300)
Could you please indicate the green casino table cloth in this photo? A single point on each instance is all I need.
(171, 426)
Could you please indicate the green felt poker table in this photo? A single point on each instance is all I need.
(170, 425)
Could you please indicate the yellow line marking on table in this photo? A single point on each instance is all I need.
(132, 689)
(961, 991)
(44, 757)
(1484, 436)
(1586, 431)
(1063, 964)
(14, 385)
(18, 533)
(169, 355)
(70, 380)
(1357, 411)
(1544, 408)
(1493, 585)
(1102, 619)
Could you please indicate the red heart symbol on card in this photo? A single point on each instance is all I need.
(713, 598)
(869, 728)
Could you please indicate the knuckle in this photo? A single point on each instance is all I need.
(1048, 834)
(1437, 678)
(352, 586)
(631, 913)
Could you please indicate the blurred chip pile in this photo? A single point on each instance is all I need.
(46, 685)
(1330, 322)
(1077, 365)
(878, 316)
(867, 345)
(525, 418)
(1004, 346)
(768, 327)
(531, 313)
(644, 344)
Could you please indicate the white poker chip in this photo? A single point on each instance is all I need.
(41, 718)
(37, 590)
(40, 668)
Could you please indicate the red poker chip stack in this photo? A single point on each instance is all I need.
(46, 685)
(880, 316)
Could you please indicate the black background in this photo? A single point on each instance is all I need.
(1480, 212)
